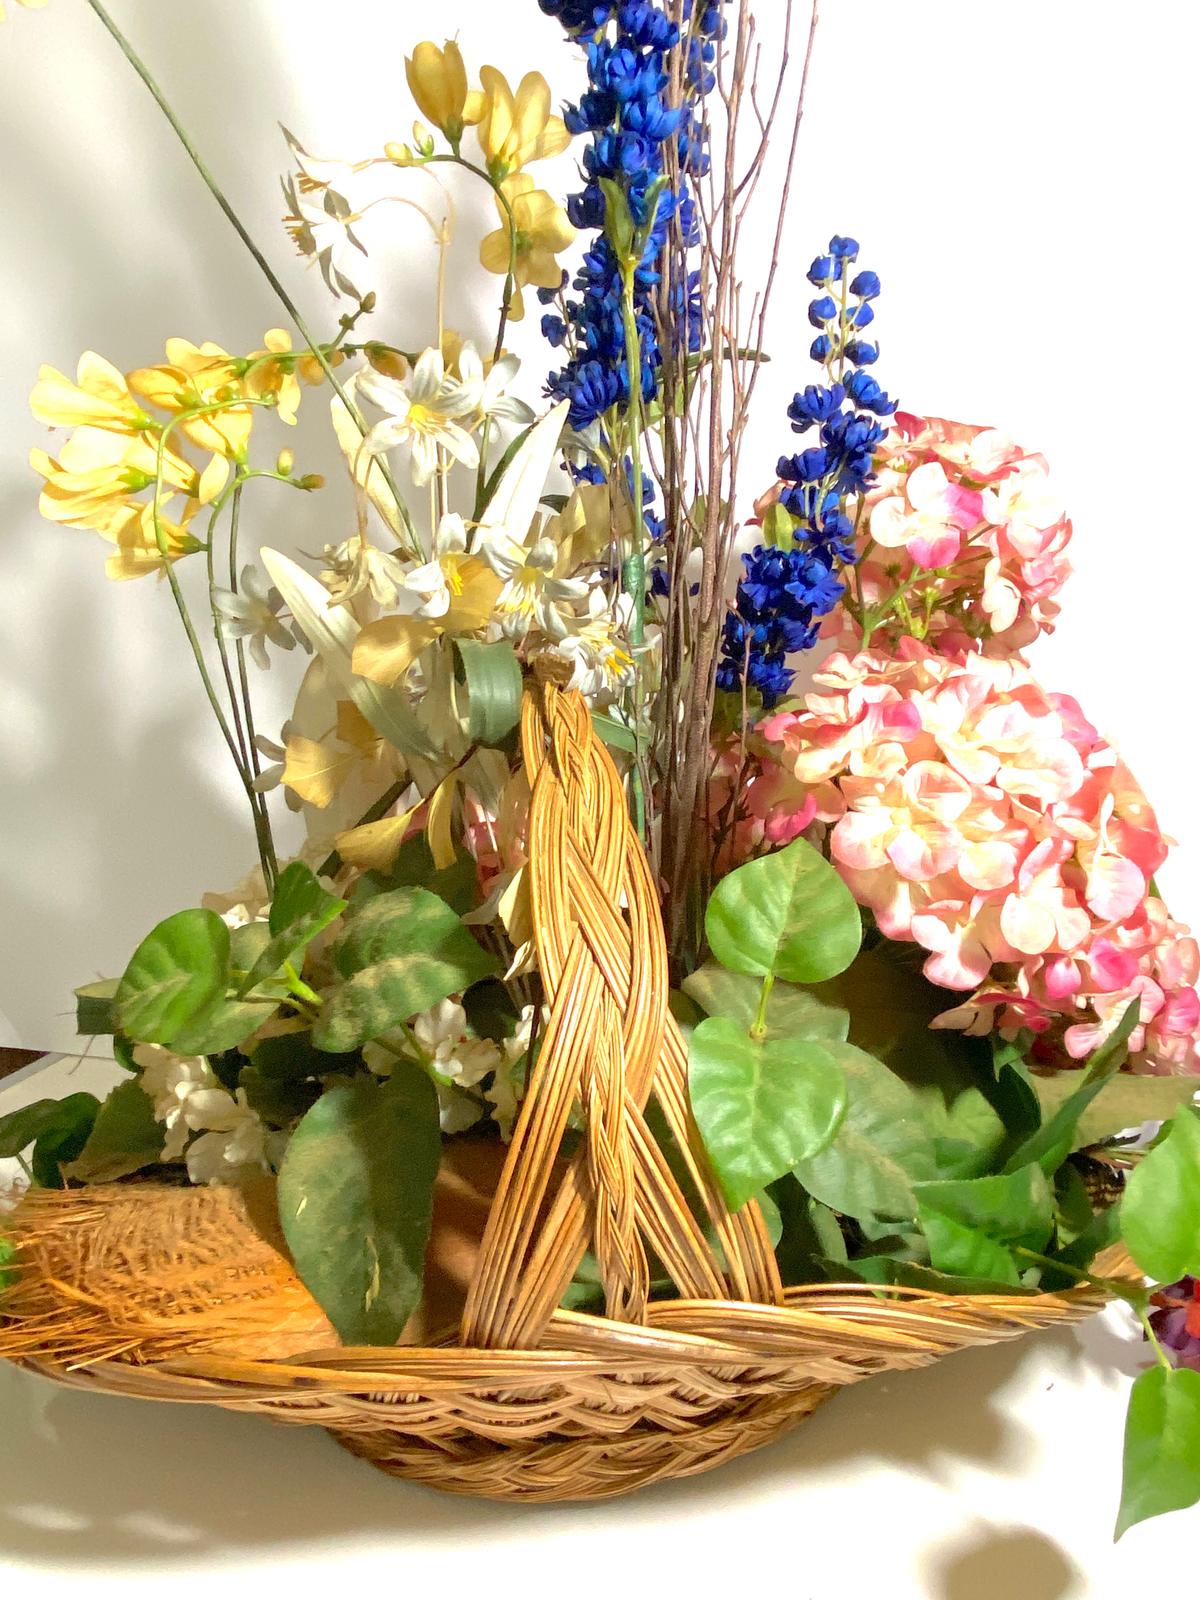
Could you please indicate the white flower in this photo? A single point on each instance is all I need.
(421, 413)
(181, 1089)
(488, 393)
(503, 1091)
(235, 1146)
(532, 595)
(253, 616)
(431, 587)
(602, 665)
(320, 219)
(454, 1055)
(357, 565)
(268, 779)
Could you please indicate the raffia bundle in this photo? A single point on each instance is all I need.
(187, 1294)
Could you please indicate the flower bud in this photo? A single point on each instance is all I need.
(310, 480)
(286, 461)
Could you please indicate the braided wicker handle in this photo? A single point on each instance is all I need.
(610, 1043)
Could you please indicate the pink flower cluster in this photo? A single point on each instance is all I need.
(987, 821)
(972, 504)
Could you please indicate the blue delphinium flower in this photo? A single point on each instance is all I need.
(629, 123)
(790, 586)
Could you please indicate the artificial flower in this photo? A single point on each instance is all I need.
(987, 821)
(358, 567)
(423, 413)
(99, 398)
(602, 665)
(139, 553)
(320, 219)
(437, 80)
(541, 229)
(235, 1146)
(515, 129)
(252, 615)
(280, 378)
(316, 769)
(99, 475)
(488, 387)
(536, 591)
(200, 376)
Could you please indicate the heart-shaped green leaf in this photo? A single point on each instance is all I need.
(791, 1012)
(762, 1105)
(176, 972)
(787, 915)
(401, 954)
(356, 1198)
(1160, 1211)
(1162, 1446)
(883, 1146)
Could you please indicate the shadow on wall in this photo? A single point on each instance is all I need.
(115, 775)
(99, 1481)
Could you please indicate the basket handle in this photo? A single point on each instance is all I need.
(609, 1043)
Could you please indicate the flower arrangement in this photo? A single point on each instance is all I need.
(942, 1030)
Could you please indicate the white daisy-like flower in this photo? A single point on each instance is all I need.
(489, 392)
(504, 1090)
(532, 595)
(422, 412)
(429, 589)
(602, 664)
(252, 615)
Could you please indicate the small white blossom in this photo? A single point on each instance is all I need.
(356, 566)
(489, 393)
(532, 595)
(601, 662)
(422, 412)
(252, 615)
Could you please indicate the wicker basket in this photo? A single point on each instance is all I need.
(187, 1295)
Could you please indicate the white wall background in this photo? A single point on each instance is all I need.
(1020, 174)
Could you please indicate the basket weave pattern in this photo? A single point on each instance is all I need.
(186, 1295)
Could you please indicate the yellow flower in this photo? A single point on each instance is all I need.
(201, 375)
(99, 398)
(137, 554)
(281, 379)
(98, 477)
(438, 81)
(515, 129)
(542, 229)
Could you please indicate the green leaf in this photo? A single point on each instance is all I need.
(1160, 1211)
(1103, 1230)
(94, 1011)
(1055, 1139)
(882, 1147)
(401, 954)
(617, 735)
(124, 1138)
(963, 1219)
(1162, 1446)
(762, 1105)
(356, 1198)
(177, 972)
(223, 1026)
(790, 1011)
(300, 910)
(788, 915)
(492, 675)
(1125, 1101)
(46, 1119)
(891, 1007)
(278, 1101)
(778, 526)
(414, 868)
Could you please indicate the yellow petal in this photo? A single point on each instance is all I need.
(475, 601)
(385, 649)
(354, 730)
(532, 110)
(494, 251)
(316, 771)
(438, 827)
(374, 846)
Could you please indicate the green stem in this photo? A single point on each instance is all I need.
(760, 1018)
(299, 988)
(1132, 1294)
(1160, 1355)
(218, 194)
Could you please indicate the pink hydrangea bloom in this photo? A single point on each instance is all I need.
(972, 504)
(987, 821)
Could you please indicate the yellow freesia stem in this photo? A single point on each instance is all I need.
(160, 538)
(218, 194)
